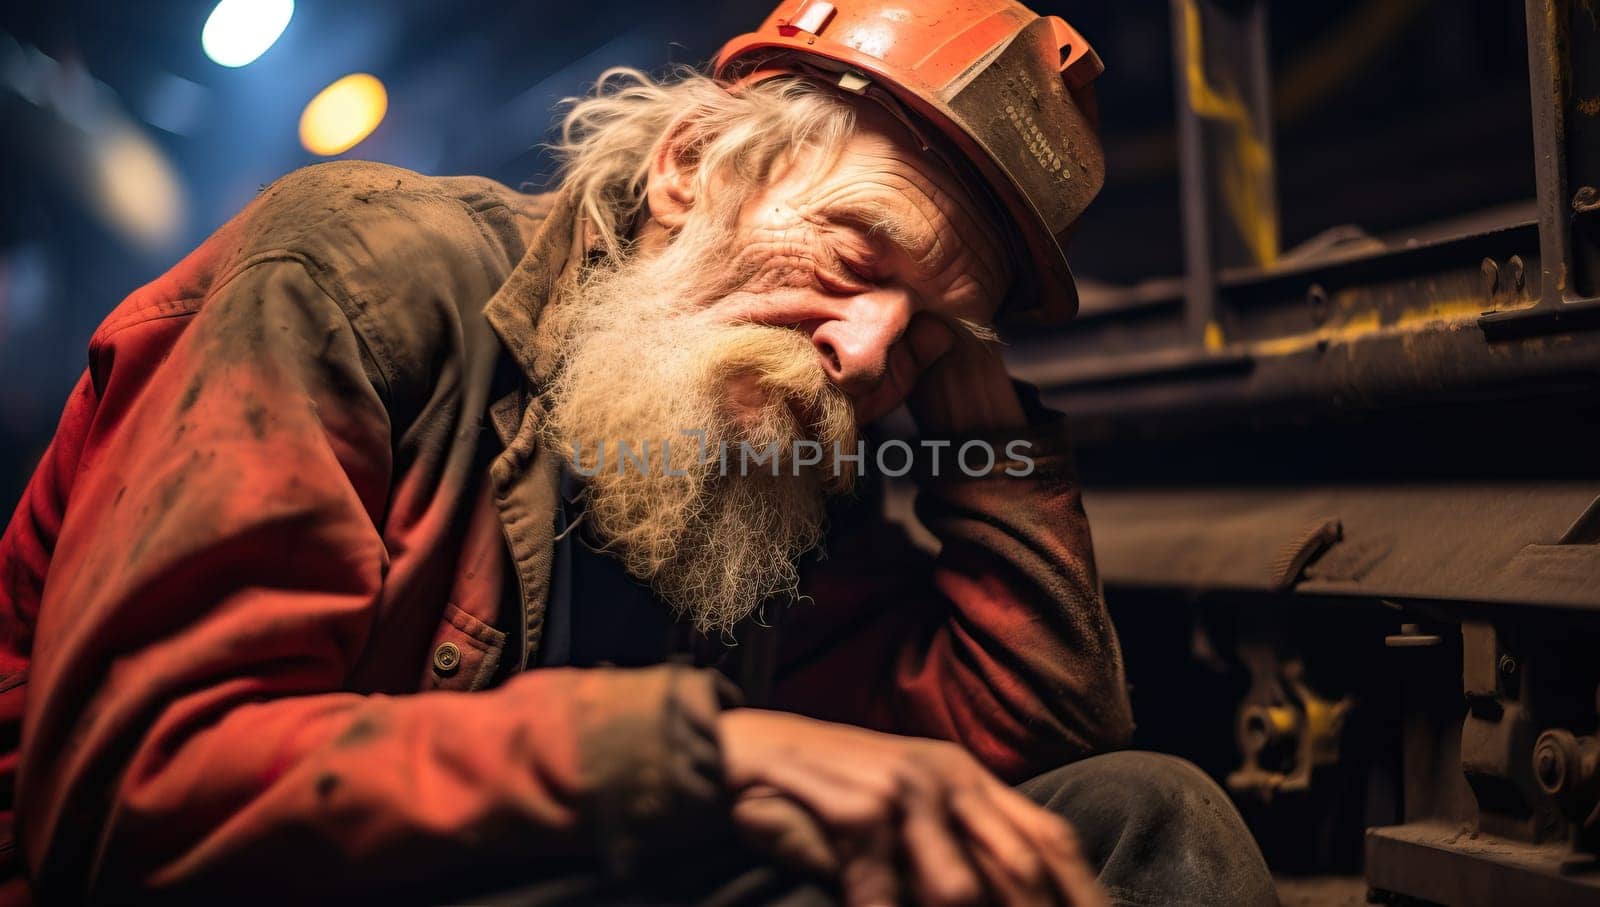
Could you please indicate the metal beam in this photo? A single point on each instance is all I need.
(1230, 208)
(1564, 81)
(1446, 864)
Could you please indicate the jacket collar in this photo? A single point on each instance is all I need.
(553, 257)
(526, 486)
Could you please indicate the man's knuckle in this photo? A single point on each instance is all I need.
(949, 760)
(1023, 865)
(861, 815)
(1060, 834)
(886, 790)
(915, 777)
(958, 890)
(966, 799)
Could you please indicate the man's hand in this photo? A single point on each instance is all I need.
(964, 386)
(895, 819)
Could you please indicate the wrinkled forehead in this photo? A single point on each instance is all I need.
(886, 157)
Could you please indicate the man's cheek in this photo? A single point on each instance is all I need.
(743, 395)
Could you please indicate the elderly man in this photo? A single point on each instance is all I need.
(404, 539)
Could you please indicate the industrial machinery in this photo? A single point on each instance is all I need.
(1346, 501)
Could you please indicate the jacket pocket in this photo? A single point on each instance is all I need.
(465, 653)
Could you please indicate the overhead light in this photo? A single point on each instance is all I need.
(343, 114)
(239, 31)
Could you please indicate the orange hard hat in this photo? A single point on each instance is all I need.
(1007, 94)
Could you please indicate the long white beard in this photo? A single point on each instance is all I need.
(636, 370)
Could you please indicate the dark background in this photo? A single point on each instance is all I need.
(1392, 114)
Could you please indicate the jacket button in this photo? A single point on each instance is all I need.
(446, 658)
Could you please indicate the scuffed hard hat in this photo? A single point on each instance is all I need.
(1008, 90)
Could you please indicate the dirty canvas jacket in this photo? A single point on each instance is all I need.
(250, 602)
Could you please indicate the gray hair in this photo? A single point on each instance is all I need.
(608, 137)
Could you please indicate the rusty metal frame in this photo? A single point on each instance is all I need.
(1225, 151)
(1250, 342)
(1246, 328)
(1441, 862)
(1563, 93)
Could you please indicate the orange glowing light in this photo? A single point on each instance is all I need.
(343, 114)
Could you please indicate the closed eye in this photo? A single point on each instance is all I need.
(886, 231)
(845, 275)
(863, 271)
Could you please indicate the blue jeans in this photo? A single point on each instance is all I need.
(1158, 830)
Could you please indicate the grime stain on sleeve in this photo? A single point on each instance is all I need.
(361, 730)
(327, 783)
(256, 416)
(190, 394)
(167, 497)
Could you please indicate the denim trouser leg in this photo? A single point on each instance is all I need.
(1159, 831)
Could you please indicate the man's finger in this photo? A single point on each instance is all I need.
(1010, 861)
(927, 339)
(1057, 843)
(941, 871)
(858, 818)
(870, 877)
(768, 820)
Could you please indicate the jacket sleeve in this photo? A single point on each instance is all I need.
(214, 579)
(1000, 642)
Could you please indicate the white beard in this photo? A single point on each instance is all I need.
(635, 368)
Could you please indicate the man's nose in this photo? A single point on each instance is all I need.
(854, 348)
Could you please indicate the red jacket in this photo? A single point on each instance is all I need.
(250, 600)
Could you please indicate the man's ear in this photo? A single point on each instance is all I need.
(670, 187)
